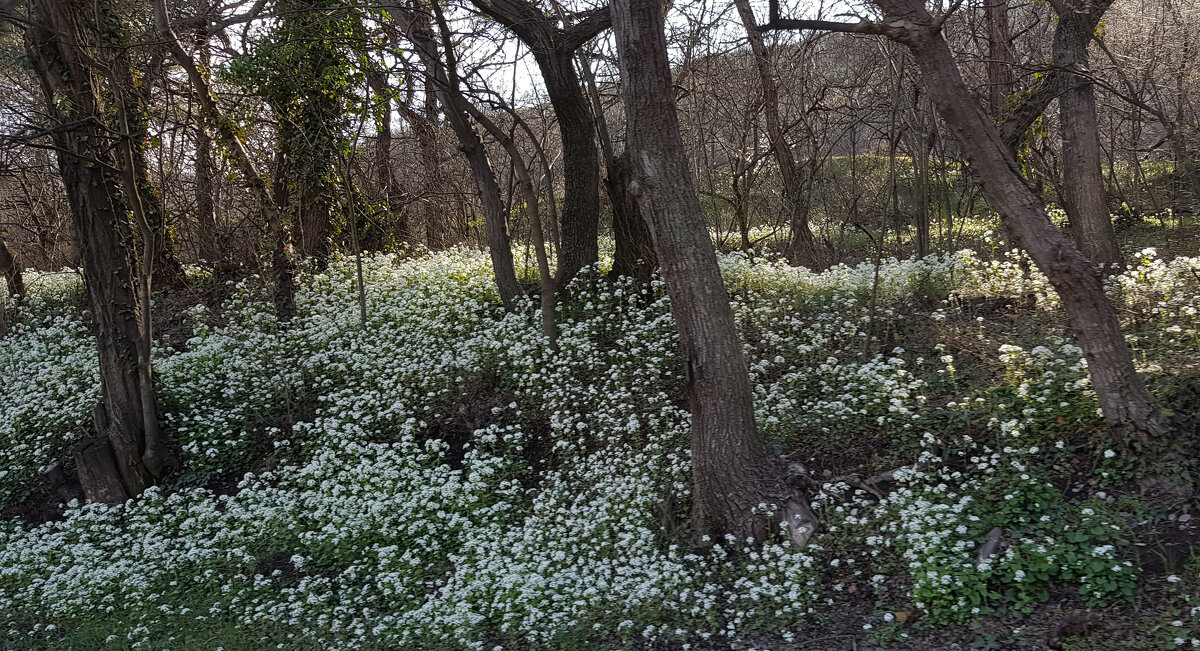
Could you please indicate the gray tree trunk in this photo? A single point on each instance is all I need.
(1124, 400)
(732, 469)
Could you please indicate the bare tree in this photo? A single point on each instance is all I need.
(1126, 404)
(736, 480)
(416, 24)
(553, 49)
(803, 246)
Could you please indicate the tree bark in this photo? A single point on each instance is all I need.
(206, 214)
(1000, 59)
(1124, 400)
(733, 471)
(14, 280)
(634, 254)
(553, 50)
(1083, 180)
(803, 246)
(455, 108)
(112, 466)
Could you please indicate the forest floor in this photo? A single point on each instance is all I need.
(437, 478)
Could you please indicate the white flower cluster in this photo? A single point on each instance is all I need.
(443, 480)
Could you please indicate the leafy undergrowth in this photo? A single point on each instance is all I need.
(439, 479)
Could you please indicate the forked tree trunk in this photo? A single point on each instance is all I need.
(732, 469)
(553, 49)
(112, 464)
(1083, 179)
(633, 254)
(803, 246)
(533, 214)
(1124, 400)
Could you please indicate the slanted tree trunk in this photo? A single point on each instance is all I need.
(732, 469)
(1083, 179)
(533, 213)
(112, 465)
(283, 264)
(14, 281)
(455, 108)
(1124, 400)
(802, 249)
(553, 48)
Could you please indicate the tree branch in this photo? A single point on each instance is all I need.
(592, 23)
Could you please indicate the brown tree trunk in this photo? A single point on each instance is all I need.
(1124, 400)
(206, 213)
(455, 109)
(424, 126)
(803, 247)
(553, 48)
(732, 469)
(112, 465)
(1083, 180)
(385, 177)
(1000, 59)
(14, 281)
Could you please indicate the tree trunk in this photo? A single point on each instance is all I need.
(532, 212)
(111, 466)
(385, 177)
(455, 108)
(803, 247)
(999, 65)
(1083, 180)
(553, 48)
(732, 469)
(1124, 400)
(634, 255)
(209, 238)
(206, 213)
(13, 278)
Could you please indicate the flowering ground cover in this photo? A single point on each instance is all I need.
(440, 479)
